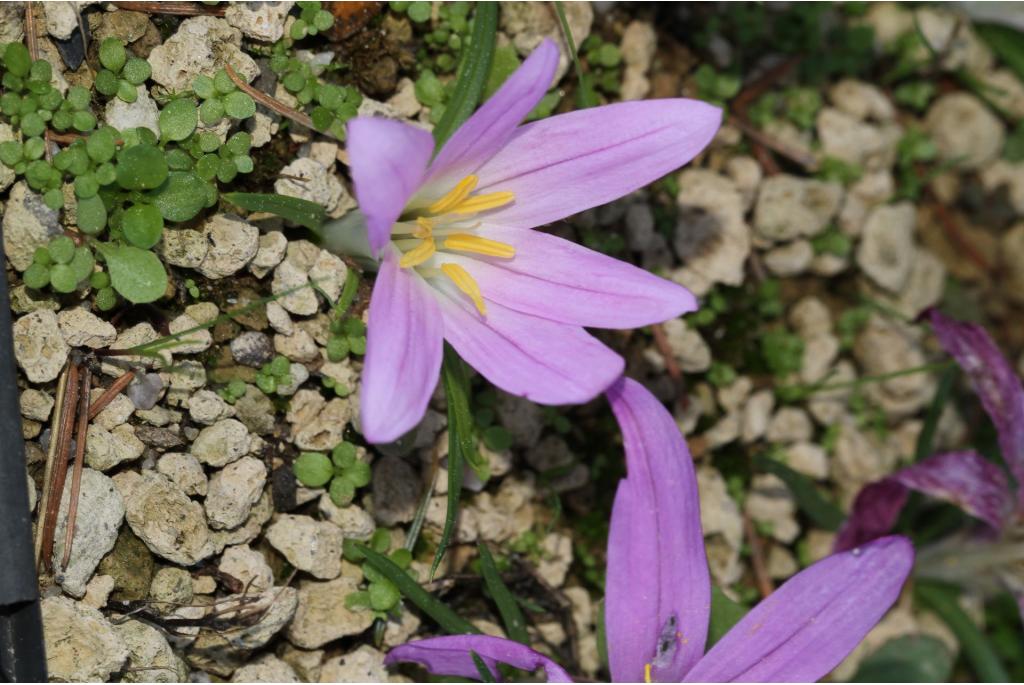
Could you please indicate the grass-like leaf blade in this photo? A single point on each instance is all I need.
(926, 438)
(481, 667)
(825, 514)
(294, 209)
(411, 590)
(975, 645)
(508, 607)
(1006, 42)
(725, 613)
(473, 72)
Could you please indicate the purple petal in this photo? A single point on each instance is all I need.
(452, 655)
(965, 479)
(389, 160)
(807, 626)
(995, 382)
(541, 360)
(561, 281)
(567, 163)
(658, 595)
(404, 341)
(487, 131)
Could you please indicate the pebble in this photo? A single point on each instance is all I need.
(232, 243)
(846, 138)
(255, 411)
(524, 420)
(185, 471)
(106, 449)
(326, 429)
(207, 407)
(298, 347)
(354, 521)
(319, 185)
(308, 545)
(857, 461)
(556, 558)
(883, 347)
(322, 615)
(756, 414)
(183, 247)
(100, 512)
(193, 342)
(924, 286)
(271, 251)
(789, 424)
(150, 657)
(260, 615)
(688, 347)
(820, 351)
(791, 259)
(328, 274)
(264, 21)
(770, 502)
(115, 413)
(39, 346)
(886, 250)
(810, 316)
(7, 175)
(97, 591)
(711, 237)
(162, 516)
(81, 644)
(965, 131)
(248, 531)
(396, 491)
(82, 328)
(143, 113)
(233, 491)
(528, 23)
(861, 100)
(202, 45)
(809, 459)
(245, 564)
(781, 563)
(252, 348)
(221, 443)
(362, 665)
(789, 207)
(279, 319)
(267, 668)
(404, 101)
(722, 524)
(35, 404)
(61, 19)
(746, 173)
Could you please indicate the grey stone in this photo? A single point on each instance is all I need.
(308, 545)
(27, 224)
(233, 491)
(81, 644)
(39, 346)
(99, 516)
(162, 516)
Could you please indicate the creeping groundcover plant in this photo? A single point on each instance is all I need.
(658, 593)
(459, 261)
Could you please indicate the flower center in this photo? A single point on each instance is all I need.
(445, 225)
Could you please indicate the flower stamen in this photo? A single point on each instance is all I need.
(455, 196)
(482, 203)
(464, 282)
(466, 242)
(419, 254)
(647, 673)
(424, 228)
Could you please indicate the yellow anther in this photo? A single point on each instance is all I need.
(481, 203)
(418, 254)
(466, 242)
(647, 673)
(454, 196)
(424, 227)
(464, 282)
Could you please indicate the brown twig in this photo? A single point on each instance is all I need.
(182, 9)
(761, 577)
(60, 466)
(953, 233)
(76, 478)
(101, 402)
(671, 366)
(759, 137)
(51, 460)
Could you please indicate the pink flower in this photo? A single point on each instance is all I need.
(460, 263)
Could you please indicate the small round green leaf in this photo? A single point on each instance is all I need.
(112, 54)
(107, 82)
(178, 119)
(137, 274)
(61, 249)
(101, 145)
(17, 59)
(137, 71)
(82, 263)
(239, 105)
(223, 83)
(181, 197)
(92, 215)
(383, 596)
(142, 225)
(126, 91)
(312, 469)
(211, 111)
(37, 276)
(62, 278)
(141, 167)
(106, 299)
(341, 492)
(202, 86)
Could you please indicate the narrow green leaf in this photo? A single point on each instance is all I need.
(348, 293)
(725, 613)
(411, 590)
(485, 673)
(907, 659)
(1006, 42)
(303, 212)
(976, 646)
(926, 438)
(587, 97)
(473, 72)
(508, 607)
(460, 442)
(823, 513)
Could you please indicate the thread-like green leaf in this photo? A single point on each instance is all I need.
(1006, 42)
(411, 590)
(725, 613)
(508, 607)
(294, 209)
(926, 438)
(481, 668)
(586, 97)
(823, 513)
(472, 74)
(975, 645)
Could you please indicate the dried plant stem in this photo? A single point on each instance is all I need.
(81, 433)
(761, 577)
(110, 393)
(55, 487)
(51, 457)
(808, 162)
(671, 366)
(183, 9)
